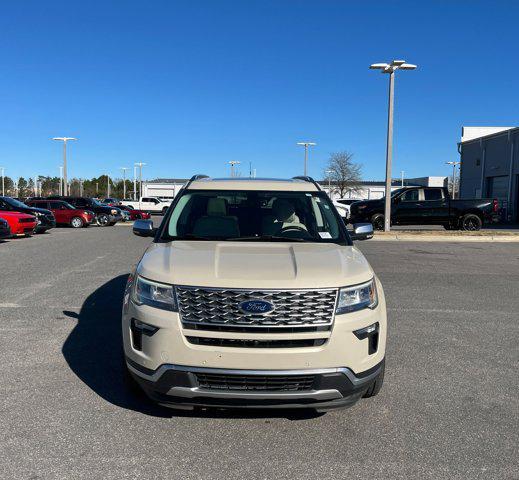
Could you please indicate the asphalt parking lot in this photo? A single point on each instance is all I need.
(449, 407)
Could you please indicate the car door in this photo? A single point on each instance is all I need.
(59, 210)
(407, 207)
(435, 206)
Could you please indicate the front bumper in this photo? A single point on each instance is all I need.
(178, 386)
(115, 218)
(44, 224)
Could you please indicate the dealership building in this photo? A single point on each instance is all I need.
(490, 166)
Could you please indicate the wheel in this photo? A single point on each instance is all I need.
(375, 387)
(377, 221)
(138, 216)
(471, 222)
(103, 220)
(76, 222)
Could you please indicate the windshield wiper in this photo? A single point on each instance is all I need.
(266, 238)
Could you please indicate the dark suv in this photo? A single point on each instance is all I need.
(45, 219)
(105, 215)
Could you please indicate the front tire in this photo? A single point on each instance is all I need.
(375, 387)
(377, 221)
(103, 220)
(471, 222)
(77, 222)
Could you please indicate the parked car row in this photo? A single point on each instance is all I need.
(39, 214)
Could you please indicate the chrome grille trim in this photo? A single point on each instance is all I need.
(219, 308)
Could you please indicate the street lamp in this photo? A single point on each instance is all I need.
(306, 145)
(390, 68)
(61, 180)
(3, 186)
(140, 165)
(64, 140)
(124, 180)
(107, 185)
(233, 164)
(454, 165)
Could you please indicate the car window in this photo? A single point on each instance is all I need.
(409, 196)
(433, 194)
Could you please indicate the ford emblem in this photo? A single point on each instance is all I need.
(256, 306)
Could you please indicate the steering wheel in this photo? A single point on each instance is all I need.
(293, 227)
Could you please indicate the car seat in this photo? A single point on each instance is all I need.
(216, 223)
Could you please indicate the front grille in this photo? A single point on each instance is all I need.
(239, 343)
(271, 383)
(218, 309)
(26, 220)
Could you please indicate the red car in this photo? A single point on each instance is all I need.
(65, 213)
(20, 223)
(135, 214)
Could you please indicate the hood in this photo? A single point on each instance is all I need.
(12, 214)
(375, 201)
(254, 265)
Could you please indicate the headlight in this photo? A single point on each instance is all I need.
(158, 295)
(358, 297)
(114, 211)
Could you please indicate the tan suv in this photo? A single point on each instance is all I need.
(252, 294)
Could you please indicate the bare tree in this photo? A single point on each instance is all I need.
(344, 174)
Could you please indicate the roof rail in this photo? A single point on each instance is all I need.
(198, 176)
(306, 178)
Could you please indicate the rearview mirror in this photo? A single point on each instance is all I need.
(362, 231)
(144, 228)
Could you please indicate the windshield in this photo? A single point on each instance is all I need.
(15, 203)
(394, 193)
(96, 202)
(255, 216)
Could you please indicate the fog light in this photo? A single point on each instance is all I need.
(139, 329)
(371, 333)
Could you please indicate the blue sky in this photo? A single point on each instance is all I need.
(186, 86)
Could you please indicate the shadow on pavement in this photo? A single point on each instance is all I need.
(93, 350)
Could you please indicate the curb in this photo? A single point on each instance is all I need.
(447, 238)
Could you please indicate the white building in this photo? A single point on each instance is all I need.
(370, 189)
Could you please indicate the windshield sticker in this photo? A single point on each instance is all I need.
(325, 235)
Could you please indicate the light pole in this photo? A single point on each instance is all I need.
(306, 145)
(61, 180)
(140, 165)
(233, 163)
(390, 68)
(454, 165)
(107, 185)
(124, 180)
(64, 140)
(402, 178)
(3, 186)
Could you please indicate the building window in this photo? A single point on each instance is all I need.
(478, 162)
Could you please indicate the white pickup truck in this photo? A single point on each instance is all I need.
(148, 204)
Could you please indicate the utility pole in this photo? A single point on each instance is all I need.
(80, 187)
(390, 69)
(64, 140)
(233, 163)
(124, 180)
(140, 165)
(306, 145)
(135, 183)
(3, 185)
(454, 165)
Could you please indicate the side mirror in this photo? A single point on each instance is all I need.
(143, 228)
(362, 231)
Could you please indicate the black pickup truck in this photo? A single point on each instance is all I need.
(427, 206)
